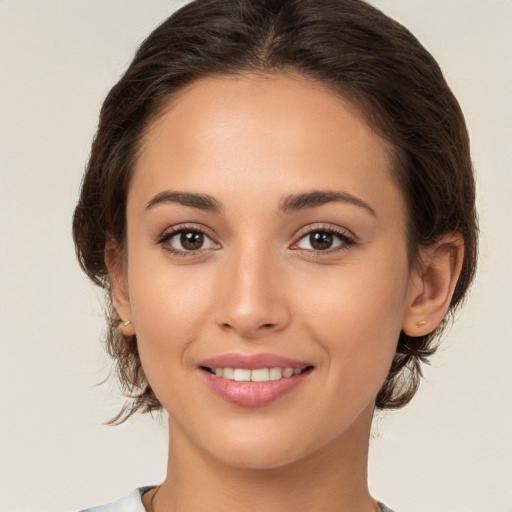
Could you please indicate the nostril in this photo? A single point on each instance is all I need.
(267, 326)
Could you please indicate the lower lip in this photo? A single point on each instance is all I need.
(253, 394)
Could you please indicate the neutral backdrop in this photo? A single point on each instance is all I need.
(449, 451)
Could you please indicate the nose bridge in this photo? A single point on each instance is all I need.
(253, 301)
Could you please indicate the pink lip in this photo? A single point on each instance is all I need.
(252, 394)
(252, 361)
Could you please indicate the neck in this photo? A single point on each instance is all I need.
(332, 479)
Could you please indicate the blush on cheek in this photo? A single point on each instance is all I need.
(169, 318)
(359, 332)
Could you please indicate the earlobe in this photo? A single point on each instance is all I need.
(433, 284)
(119, 286)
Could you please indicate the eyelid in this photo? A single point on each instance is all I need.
(344, 235)
(347, 238)
(322, 226)
(171, 232)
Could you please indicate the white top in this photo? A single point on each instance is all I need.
(130, 503)
(133, 503)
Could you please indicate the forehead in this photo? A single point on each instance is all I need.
(256, 105)
(252, 132)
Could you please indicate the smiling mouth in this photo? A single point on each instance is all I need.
(256, 374)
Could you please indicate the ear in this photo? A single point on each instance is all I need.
(114, 260)
(432, 285)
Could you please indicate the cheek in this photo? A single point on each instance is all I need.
(356, 317)
(168, 309)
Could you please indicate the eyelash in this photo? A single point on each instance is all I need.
(176, 231)
(344, 237)
(346, 240)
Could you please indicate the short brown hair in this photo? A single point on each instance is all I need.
(347, 45)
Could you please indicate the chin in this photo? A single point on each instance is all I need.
(265, 446)
(245, 457)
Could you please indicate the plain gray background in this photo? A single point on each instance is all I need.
(449, 451)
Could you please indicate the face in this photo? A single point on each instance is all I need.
(265, 236)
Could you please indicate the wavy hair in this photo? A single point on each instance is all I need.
(357, 52)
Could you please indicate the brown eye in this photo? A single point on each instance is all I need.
(325, 240)
(186, 240)
(320, 240)
(191, 240)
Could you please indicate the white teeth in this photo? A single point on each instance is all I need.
(242, 375)
(276, 373)
(287, 372)
(256, 375)
(260, 375)
(228, 373)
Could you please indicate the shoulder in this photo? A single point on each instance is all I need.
(383, 508)
(132, 502)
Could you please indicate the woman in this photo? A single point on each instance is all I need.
(280, 205)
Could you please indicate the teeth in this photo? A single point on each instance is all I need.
(242, 375)
(287, 372)
(275, 373)
(227, 373)
(256, 375)
(260, 375)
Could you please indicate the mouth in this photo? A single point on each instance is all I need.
(257, 374)
(254, 380)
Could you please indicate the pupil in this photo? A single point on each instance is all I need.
(191, 240)
(321, 240)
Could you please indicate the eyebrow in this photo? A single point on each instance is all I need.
(199, 201)
(289, 204)
(317, 198)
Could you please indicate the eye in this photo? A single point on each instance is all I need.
(324, 240)
(185, 240)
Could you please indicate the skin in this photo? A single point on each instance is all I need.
(256, 285)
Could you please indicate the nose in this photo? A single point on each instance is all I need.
(252, 299)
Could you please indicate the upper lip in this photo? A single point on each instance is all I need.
(252, 361)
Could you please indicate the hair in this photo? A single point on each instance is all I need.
(355, 51)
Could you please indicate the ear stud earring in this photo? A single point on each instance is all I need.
(421, 323)
(126, 323)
